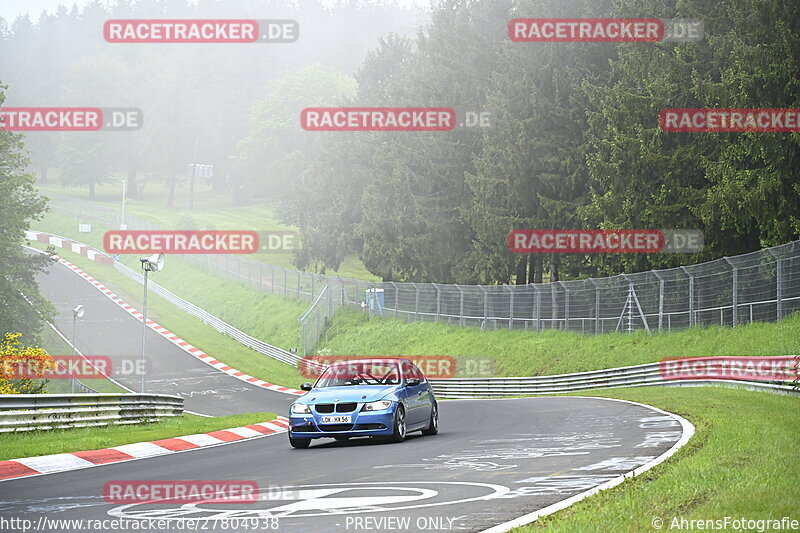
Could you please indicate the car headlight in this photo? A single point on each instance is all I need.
(300, 409)
(377, 406)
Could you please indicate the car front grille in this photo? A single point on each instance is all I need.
(335, 427)
(346, 407)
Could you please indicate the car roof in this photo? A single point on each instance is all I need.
(373, 359)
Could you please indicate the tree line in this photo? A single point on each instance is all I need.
(574, 143)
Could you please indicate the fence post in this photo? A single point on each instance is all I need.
(734, 289)
(272, 281)
(691, 295)
(460, 306)
(285, 283)
(778, 286)
(596, 306)
(261, 276)
(510, 305)
(537, 297)
(312, 287)
(416, 302)
(485, 308)
(566, 305)
(660, 299)
(298, 286)
(438, 301)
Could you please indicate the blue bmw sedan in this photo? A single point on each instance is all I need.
(384, 398)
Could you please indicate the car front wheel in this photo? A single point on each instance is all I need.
(399, 433)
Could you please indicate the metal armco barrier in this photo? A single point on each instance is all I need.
(27, 412)
(627, 376)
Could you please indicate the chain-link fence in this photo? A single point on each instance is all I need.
(760, 286)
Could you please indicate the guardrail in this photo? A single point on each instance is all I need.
(627, 376)
(28, 412)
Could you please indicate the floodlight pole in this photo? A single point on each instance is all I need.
(75, 312)
(143, 370)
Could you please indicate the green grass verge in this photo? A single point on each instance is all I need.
(521, 353)
(34, 443)
(195, 331)
(739, 464)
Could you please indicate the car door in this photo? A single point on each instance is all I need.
(418, 398)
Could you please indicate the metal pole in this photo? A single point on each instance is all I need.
(74, 349)
(510, 306)
(734, 289)
(144, 330)
(438, 302)
(416, 302)
(485, 307)
(596, 306)
(566, 305)
(691, 296)
(461, 306)
(660, 299)
(778, 287)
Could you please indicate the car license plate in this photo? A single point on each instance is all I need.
(335, 420)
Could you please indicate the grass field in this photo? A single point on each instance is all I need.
(741, 463)
(521, 353)
(16, 445)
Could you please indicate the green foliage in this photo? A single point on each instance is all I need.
(22, 308)
(574, 143)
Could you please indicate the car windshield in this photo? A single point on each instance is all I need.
(359, 373)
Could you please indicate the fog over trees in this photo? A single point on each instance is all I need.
(573, 139)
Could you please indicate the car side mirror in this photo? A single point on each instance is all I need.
(413, 382)
(306, 386)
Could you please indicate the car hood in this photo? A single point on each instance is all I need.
(348, 393)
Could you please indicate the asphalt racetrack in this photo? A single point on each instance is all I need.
(493, 460)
